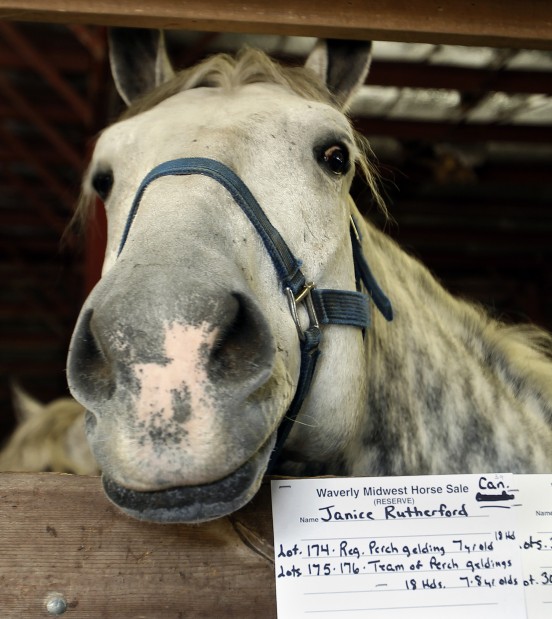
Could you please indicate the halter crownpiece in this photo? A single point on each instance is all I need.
(324, 306)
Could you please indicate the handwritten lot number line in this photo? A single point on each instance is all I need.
(434, 571)
(403, 554)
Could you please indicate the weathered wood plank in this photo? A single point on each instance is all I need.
(469, 22)
(58, 533)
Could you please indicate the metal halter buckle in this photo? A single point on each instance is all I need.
(306, 296)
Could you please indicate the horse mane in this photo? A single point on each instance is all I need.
(520, 354)
(528, 348)
(248, 66)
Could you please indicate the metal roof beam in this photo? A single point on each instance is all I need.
(450, 132)
(418, 75)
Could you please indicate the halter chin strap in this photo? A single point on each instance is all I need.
(324, 306)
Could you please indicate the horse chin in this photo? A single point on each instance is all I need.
(194, 504)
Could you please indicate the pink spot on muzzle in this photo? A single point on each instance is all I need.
(176, 391)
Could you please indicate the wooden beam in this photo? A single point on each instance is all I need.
(467, 22)
(60, 534)
(94, 41)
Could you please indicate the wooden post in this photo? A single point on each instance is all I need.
(61, 537)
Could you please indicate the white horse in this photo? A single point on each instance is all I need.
(48, 437)
(191, 349)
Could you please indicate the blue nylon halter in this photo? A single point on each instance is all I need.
(325, 306)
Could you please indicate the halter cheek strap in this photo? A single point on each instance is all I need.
(324, 306)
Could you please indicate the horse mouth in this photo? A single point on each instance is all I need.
(194, 504)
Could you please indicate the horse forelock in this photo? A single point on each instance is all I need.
(248, 66)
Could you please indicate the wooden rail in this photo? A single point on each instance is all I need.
(61, 538)
(468, 22)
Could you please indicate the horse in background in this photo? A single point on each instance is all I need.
(48, 437)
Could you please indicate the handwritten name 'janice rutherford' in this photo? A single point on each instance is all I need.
(391, 512)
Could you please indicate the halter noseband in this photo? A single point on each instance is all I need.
(324, 306)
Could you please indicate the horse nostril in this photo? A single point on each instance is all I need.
(88, 368)
(244, 346)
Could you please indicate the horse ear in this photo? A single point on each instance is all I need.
(139, 61)
(342, 65)
(24, 405)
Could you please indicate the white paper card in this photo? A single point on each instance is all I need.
(535, 539)
(398, 547)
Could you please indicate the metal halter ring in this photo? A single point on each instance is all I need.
(306, 296)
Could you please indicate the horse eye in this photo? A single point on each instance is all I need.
(336, 159)
(102, 183)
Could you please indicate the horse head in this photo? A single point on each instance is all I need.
(186, 355)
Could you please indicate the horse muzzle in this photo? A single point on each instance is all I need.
(194, 504)
(176, 405)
